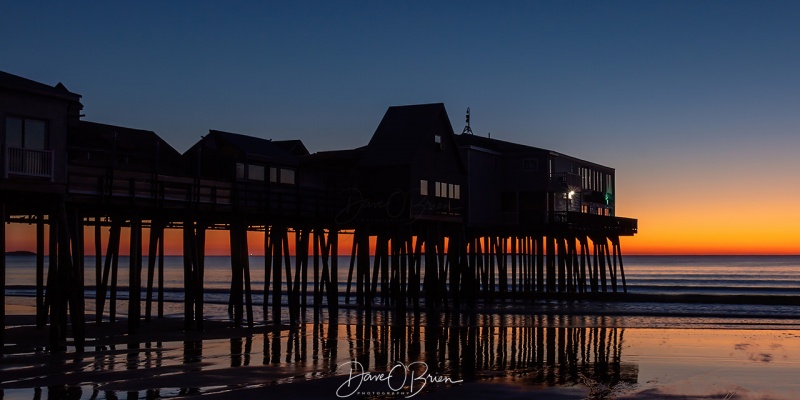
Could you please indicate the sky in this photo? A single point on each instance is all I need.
(694, 103)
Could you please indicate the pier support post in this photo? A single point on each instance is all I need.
(562, 264)
(2, 278)
(240, 275)
(333, 281)
(540, 264)
(53, 299)
(618, 257)
(41, 308)
(276, 242)
(267, 267)
(135, 275)
(155, 243)
(112, 256)
(98, 266)
(551, 264)
(189, 274)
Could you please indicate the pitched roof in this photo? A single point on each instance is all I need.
(295, 146)
(254, 147)
(494, 144)
(402, 130)
(510, 147)
(137, 142)
(14, 82)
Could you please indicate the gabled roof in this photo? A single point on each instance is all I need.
(13, 82)
(502, 146)
(295, 147)
(96, 136)
(402, 130)
(253, 147)
(495, 144)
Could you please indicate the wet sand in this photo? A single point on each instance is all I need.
(493, 357)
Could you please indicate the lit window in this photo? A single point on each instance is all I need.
(438, 187)
(255, 172)
(457, 194)
(273, 175)
(239, 170)
(451, 191)
(287, 176)
(423, 187)
(437, 139)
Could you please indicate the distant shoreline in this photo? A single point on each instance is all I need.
(20, 253)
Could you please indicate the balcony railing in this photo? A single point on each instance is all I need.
(29, 162)
(582, 221)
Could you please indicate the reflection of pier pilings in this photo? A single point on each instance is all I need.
(531, 350)
(534, 349)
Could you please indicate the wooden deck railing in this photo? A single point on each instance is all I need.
(29, 162)
(577, 220)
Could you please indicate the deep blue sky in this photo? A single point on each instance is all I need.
(687, 99)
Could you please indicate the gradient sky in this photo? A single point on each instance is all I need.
(695, 103)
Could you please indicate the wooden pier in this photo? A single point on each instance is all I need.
(437, 220)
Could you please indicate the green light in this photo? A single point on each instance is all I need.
(608, 198)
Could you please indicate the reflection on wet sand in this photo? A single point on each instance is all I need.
(529, 350)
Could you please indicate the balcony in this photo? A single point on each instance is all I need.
(29, 162)
(564, 181)
(590, 222)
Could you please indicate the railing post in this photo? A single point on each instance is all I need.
(5, 160)
(53, 166)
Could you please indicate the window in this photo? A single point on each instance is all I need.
(26, 133)
(273, 175)
(255, 172)
(437, 139)
(287, 176)
(423, 187)
(446, 190)
(239, 170)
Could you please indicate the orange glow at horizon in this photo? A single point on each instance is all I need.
(662, 231)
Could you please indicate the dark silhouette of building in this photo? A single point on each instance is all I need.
(453, 218)
(35, 119)
(532, 189)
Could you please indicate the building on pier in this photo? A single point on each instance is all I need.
(413, 156)
(516, 185)
(433, 215)
(34, 118)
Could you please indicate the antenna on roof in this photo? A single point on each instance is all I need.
(467, 129)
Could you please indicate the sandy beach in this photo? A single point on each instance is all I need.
(432, 356)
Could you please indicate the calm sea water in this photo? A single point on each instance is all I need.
(709, 275)
(541, 343)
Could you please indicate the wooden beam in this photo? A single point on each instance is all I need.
(2, 277)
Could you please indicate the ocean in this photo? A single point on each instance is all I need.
(508, 349)
(729, 276)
